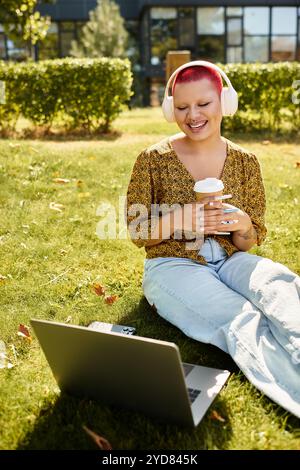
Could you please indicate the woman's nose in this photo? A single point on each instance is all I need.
(194, 112)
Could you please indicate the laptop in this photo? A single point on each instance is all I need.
(132, 372)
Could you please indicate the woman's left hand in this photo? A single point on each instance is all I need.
(239, 220)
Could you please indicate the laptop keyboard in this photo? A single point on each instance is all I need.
(187, 368)
(193, 394)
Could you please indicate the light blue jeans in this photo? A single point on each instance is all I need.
(246, 305)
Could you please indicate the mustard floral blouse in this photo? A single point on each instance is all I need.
(159, 177)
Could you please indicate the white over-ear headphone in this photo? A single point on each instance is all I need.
(229, 97)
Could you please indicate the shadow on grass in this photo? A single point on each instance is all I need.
(62, 135)
(59, 426)
(260, 137)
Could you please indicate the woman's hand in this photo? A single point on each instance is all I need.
(194, 218)
(198, 221)
(239, 221)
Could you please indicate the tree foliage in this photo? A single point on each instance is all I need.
(104, 34)
(21, 19)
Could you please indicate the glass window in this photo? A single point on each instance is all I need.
(2, 47)
(163, 13)
(211, 47)
(234, 54)
(234, 11)
(17, 50)
(186, 12)
(1, 28)
(210, 20)
(163, 39)
(67, 25)
(48, 48)
(145, 48)
(284, 20)
(256, 49)
(283, 48)
(186, 26)
(78, 26)
(186, 32)
(53, 28)
(66, 39)
(256, 20)
(234, 31)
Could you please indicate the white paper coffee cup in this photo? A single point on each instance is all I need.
(208, 187)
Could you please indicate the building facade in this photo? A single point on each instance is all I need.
(217, 30)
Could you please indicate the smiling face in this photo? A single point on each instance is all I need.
(197, 109)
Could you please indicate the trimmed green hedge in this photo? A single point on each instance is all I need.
(265, 96)
(90, 92)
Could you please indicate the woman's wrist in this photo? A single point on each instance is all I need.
(248, 232)
(246, 237)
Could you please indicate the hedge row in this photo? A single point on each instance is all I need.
(90, 92)
(268, 96)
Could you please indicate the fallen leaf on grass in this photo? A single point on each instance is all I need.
(98, 289)
(79, 183)
(69, 318)
(100, 441)
(110, 299)
(216, 416)
(297, 165)
(56, 207)
(61, 180)
(2, 278)
(266, 142)
(23, 332)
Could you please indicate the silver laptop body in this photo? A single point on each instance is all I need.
(133, 372)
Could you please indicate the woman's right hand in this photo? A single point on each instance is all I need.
(189, 218)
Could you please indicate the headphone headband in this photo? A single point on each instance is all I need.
(203, 63)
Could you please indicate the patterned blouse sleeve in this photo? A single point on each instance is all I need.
(140, 196)
(256, 198)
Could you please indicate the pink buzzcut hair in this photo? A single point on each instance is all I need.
(199, 72)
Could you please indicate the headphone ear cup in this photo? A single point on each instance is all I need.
(168, 108)
(229, 101)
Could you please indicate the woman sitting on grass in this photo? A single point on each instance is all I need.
(215, 292)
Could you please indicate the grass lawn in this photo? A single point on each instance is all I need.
(49, 259)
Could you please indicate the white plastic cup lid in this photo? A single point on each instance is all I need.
(208, 185)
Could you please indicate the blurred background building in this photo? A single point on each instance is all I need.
(217, 30)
